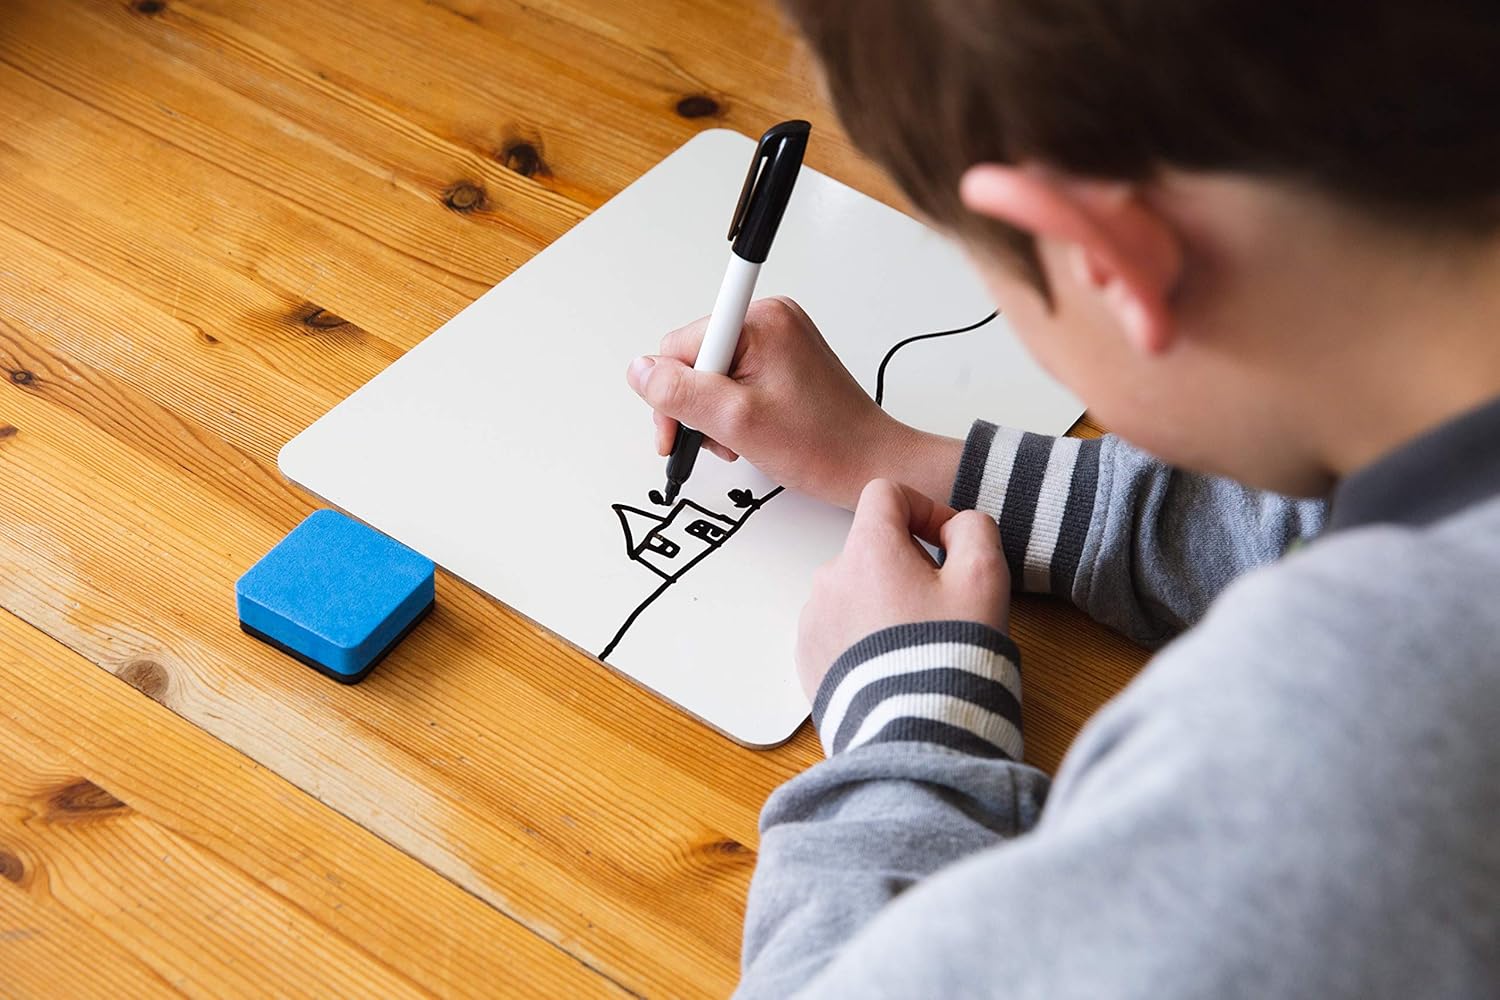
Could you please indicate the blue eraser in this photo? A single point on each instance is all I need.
(336, 594)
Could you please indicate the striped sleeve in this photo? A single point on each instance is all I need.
(956, 684)
(1041, 490)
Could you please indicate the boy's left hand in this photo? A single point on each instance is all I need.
(884, 577)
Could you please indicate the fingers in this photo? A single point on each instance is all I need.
(714, 404)
(971, 540)
(667, 385)
(666, 436)
(792, 307)
(727, 454)
(882, 510)
(683, 343)
(636, 374)
(766, 317)
(927, 517)
(666, 432)
(894, 511)
(726, 408)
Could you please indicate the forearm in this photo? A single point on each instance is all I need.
(926, 462)
(922, 727)
(841, 841)
(1140, 546)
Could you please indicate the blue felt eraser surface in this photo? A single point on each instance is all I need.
(336, 594)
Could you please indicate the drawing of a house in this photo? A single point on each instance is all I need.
(669, 544)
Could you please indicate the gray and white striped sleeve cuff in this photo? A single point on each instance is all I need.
(1041, 491)
(956, 684)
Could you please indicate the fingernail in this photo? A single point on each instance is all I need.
(640, 368)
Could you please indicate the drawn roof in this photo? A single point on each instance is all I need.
(637, 524)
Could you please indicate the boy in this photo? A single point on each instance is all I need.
(1262, 241)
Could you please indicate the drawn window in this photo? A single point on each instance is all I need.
(662, 546)
(706, 530)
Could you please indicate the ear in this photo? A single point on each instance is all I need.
(1121, 248)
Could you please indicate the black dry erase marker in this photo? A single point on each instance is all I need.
(763, 199)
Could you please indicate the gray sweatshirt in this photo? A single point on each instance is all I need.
(1299, 795)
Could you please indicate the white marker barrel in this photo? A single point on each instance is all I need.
(724, 323)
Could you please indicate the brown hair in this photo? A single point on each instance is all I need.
(1390, 105)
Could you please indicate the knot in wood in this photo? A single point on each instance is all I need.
(6, 430)
(697, 106)
(11, 868)
(524, 158)
(82, 799)
(464, 196)
(22, 377)
(149, 7)
(727, 847)
(146, 676)
(321, 319)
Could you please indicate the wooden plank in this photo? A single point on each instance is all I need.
(49, 950)
(219, 218)
(603, 90)
(139, 858)
(334, 159)
(211, 180)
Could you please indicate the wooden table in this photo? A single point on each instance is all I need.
(218, 218)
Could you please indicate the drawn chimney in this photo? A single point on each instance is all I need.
(670, 544)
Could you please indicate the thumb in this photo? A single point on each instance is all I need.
(699, 399)
(971, 545)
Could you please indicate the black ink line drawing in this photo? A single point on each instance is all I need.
(670, 544)
(885, 361)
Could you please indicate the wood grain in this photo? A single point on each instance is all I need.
(137, 856)
(219, 218)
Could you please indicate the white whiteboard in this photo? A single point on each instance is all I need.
(501, 445)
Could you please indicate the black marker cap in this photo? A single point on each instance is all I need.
(768, 188)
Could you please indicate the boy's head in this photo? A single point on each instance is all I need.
(1192, 209)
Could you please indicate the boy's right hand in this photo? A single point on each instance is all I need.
(789, 406)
